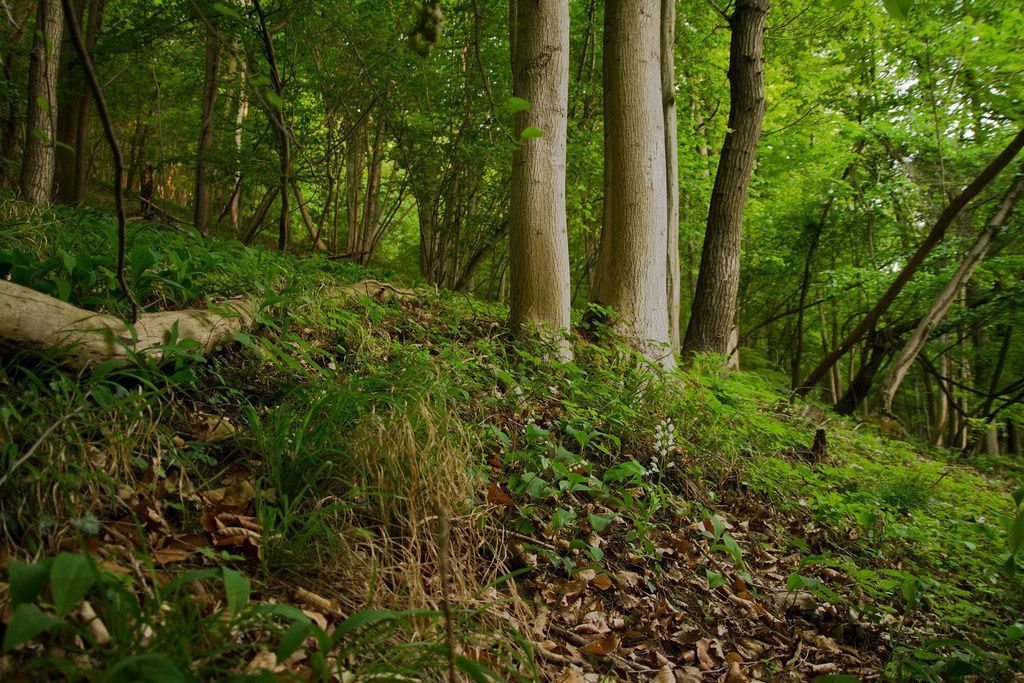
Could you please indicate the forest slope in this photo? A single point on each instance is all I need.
(295, 502)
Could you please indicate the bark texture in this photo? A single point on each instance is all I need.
(668, 94)
(31, 319)
(202, 203)
(714, 301)
(538, 234)
(37, 164)
(631, 277)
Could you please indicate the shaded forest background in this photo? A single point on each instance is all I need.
(398, 150)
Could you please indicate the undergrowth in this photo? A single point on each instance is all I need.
(282, 504)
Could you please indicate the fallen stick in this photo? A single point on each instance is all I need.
(31, 319)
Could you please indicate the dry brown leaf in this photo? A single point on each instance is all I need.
(601, 646)
(213, 429)
(601, 582)
(318, 602)
(664, 675)
(265, 660)
(496, 496)
(237, 494)
(707, 661)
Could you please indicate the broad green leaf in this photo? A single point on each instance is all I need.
(26, 581)
(531, 132)
(236, 591)
(898, 8)
(514, 105)
(1016, 537)
(71, 577)
(714, 579)
(1015, 632)
(27, 622)
(600, 522)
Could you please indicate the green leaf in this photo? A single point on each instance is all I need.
(151, 668)
(714, 579)
(360, 619)
(837, 678)
(562, 517)
(1016, 536)
(27, 581)
(236, 590)
(531, 132)
(1015, 632)
(292, 639)
(600, 522)
(71, 577)
(221, 8)
(514, 105)
(898, 8)
(26, 623)
(476, 671)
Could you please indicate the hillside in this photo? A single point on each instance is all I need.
(376, 477)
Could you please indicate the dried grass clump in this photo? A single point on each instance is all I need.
(417, 468)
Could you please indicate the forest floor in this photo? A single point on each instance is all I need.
(378, 483)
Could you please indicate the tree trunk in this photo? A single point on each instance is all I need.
(31, 319)
(668, 94)
(919, 337)
(235, 204)
(70, 88)
(714, 302)
(538, 233)
(355, 150)
(371, 202)
(936, 235)
(37, 166)
(277, 118)
(631, 277)
(202, 202)
(12, 116)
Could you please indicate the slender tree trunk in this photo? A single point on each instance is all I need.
(919, 337)
(631, 277)
(371, 202)
(668, 94)
(37, 166)
(538, 233)
(202, 201)
(277, 117)
(355, 153)
(234, 205)
(714, 303)
(12, 116)
(70, 89)
(72, 164)
(936, 235)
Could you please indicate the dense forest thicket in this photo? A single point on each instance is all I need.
(666, 340)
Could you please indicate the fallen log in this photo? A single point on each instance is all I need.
(33, 320)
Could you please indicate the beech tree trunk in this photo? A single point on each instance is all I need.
(37, 166)
(714, 302)
(538, 233)
(202, 208)
(919, 337)
(631, 268)
(936, 235)
(668, 94)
